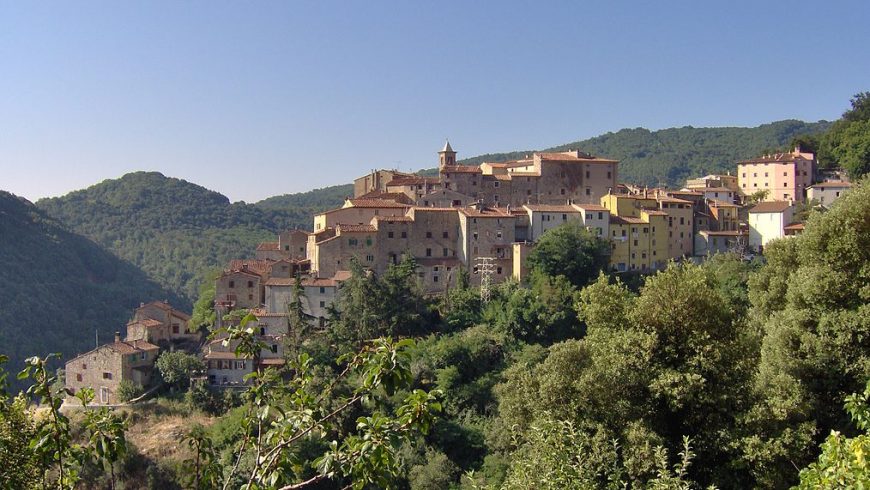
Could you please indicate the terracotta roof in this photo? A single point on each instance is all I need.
(625, 220)
(771, 207)
(239, 271)
(132, 347)
(571, 157)
(355, 228)
(822, 185)
(673, 199)
(257, 266)
(418, 209)
(655, 212)
(777, 158)
(147, 323)
(375, 203)
(268, 246)
(166, 307)
(794, 226)
(686, 193)
(280, 281)
(551, 208)
(468, 169)
(591, 207)
(515, 210)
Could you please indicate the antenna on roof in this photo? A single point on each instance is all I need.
(96, 338)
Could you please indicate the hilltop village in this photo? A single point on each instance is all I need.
(481, 220)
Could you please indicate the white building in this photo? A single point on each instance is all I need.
(827, 192)
(767, 221)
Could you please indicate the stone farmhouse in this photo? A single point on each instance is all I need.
(104, 368)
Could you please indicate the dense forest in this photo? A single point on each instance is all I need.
(59, 288)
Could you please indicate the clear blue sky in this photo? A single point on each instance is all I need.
(255, 99)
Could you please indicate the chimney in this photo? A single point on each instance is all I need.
(141, 305)
(117, 337)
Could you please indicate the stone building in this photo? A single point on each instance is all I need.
(376, 181)
(825, 193)
(158, 322)
(486, 245)
(104, 368)
(291, 244)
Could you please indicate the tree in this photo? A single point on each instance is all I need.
(810, 302)
(203, 310)
(843, 462)
(847, 143)
(177, 367)
(298, 320)
(569, 250)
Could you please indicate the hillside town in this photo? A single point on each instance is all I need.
(482, 220)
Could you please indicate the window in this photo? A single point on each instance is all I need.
(608, 176)
(587, 174)
(390, 234)
(434, 278)
(588, 192)
(352, 241)
(232, 284)
(107, 375)
(498, 234)
(175, 328)
(600, 215)
(286, 248)
(428, 252)
(250, 297)
(250, 284)
(765, 174)
(495, 184)
(274, 348)
(445, 235)
(474, 235)
(322, 289)
(498, 270)
(623, 232)
(564, 217)
(262, 330)
(645, 229)
(428, 234)
(445, 252)
(323, 304)
(79, 377)
(404, 234)
(635, 243)
(84, 366)
(370, 258)
(562, 191)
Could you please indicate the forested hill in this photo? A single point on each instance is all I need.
(310, 202)
(173, 230)
(670, 156)
(59, 287)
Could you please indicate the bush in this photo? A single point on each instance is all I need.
(201, 397)
(128, 390)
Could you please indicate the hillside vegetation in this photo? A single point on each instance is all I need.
(172, 229)
(60, 288)
(670, 156)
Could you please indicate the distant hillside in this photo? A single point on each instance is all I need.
(59, 287)
(172, 229)
(670, 156)
(311, 202)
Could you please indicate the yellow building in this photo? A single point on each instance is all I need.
(638, 233)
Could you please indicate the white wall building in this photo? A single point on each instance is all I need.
(767, 221)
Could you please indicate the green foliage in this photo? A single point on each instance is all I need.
(847, 143)
(437, 474)
(843, 462)
(176, 368)
(370, 306)
(569, 250)
(203, 310)
(128, 390)
(542, 312)
(203, 398)
(60, 287)
(810, 302)
(171, 229)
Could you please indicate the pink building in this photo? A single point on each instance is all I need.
(785, 176)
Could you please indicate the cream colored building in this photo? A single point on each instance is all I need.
(767, 221)
(785, 176)
(825, 193)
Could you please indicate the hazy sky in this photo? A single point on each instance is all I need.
(255, 99)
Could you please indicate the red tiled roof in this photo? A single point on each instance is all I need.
(166, 307)
(132, 347)
(591, 207)
(147, 323)
(770, 207)
(551, 208)
(399, 197)
(376, 203)
(268, 246)
(570, 157)
(673, 199)
(722, 204)
(393, 218)
(485, 213)
(822, 185)
(625, 220)
(655, 212)
(257, 266)
(794, 226)
(418, 209)
(355, 228)
(778, 158)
